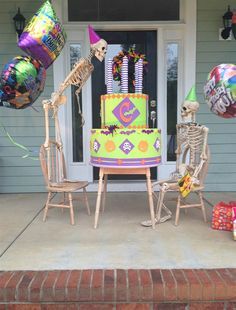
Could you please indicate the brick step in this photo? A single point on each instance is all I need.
(119, 289)
(122, 306)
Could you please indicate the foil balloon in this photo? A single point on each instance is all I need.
(43, 37)
(220, 90)
(21, 82)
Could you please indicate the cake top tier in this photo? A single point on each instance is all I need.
(124, 95)
(127, 68)
(124, 110)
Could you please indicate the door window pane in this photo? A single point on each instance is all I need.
(123, 10)
(172, 88)
(77, 129)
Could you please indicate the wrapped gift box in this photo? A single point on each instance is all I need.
(234, 222)
(222, 216)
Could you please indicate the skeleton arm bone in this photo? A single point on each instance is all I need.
(203, 155)
(77, 77)
(181, 130)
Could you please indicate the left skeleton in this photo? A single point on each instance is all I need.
(77, 77)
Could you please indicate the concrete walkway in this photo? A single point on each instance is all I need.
(27, 243)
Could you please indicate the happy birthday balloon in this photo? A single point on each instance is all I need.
(220, 90)
(43, 37)
(21, 82)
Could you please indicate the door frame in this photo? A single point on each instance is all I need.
(183, 33)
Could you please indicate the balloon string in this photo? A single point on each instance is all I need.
(28, 155)
(36, 110)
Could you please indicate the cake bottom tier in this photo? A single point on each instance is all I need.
(125, 148)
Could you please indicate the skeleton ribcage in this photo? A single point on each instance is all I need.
(191, 137)
(78, 75)
(82, 74)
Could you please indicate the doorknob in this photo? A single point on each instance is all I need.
(153, 103)
(153, 116)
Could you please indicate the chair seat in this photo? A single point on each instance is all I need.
(174, 186)
(76, 181)
(67, 186)
(53, 166)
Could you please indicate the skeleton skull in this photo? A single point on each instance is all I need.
(164, 187)
(189, 108)
(100, 49)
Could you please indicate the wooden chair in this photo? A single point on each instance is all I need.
(193, 156)
(53, 167)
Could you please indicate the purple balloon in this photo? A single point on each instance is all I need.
(43, 37)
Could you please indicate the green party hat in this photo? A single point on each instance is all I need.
(191, 95)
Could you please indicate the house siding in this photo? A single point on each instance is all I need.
(222, 132)
(26, 126)
(19, 174)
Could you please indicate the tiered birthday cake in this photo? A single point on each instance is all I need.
(124, 140)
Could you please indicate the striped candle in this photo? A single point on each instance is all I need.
(136, 76)
(140, 76)
(124, 75)
(109, 77)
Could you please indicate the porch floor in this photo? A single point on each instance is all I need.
(28, 243)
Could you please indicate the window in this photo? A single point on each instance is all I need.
(77, 129)
(172, 95)
(123, 10)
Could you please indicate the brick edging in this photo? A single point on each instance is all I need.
(114, 286)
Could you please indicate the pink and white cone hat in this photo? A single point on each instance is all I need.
(93, 36)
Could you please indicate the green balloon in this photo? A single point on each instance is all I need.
(25, 71)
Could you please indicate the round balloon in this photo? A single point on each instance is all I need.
(43, 37)
(21, 82)
(220, 90)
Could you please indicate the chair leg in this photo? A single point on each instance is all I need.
(46, 206)
(185, 202)
(159, 204)
(65, 200)
(177, 210)
(86, 200)
(202, 206)
(71, 209)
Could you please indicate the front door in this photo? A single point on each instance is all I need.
(144, 42)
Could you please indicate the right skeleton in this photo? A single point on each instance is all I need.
(191, 154)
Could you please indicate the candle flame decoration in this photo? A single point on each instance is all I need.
(133, 58)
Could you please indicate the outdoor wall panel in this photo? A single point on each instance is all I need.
(218, 168)
(25, 126)
(222, 132)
